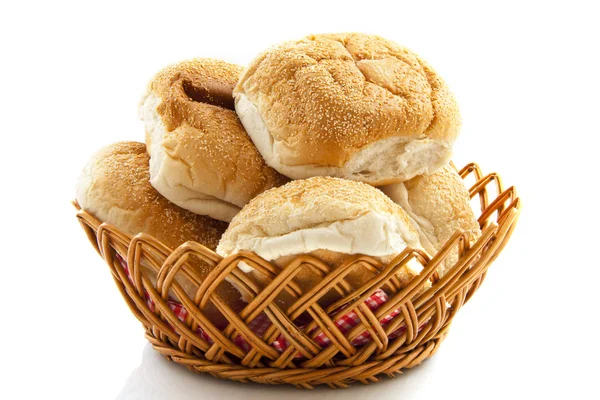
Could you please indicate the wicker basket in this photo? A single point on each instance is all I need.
(424, 315)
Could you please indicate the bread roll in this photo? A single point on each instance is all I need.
(200, 155)
(329, 218)
(114, 187)
(438, 205)
(348, 105)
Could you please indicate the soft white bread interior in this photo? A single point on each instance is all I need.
(201, 158)
(329, 218)
(351, 105)
(114, 187)
(438, 205)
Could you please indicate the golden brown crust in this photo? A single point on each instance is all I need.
(200, 86)
(328, 96)
(205, 148)
(204, 81)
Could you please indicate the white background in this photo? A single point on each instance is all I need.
(526, 77)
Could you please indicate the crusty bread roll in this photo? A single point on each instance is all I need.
(114, 187)
(350, 105)
(329, 218)
(201, 157)
(438, 205)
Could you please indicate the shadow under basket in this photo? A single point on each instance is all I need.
(319, 347)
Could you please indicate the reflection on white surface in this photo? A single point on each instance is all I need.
(159, 379)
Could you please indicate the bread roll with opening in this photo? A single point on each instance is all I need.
(115, 188)
(438, 205)
(329, 218)
(350, 105)
(201, 158)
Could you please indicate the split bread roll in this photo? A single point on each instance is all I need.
(348, 105)
(328, 218)
(201, 158)
(114, 187)
(438, 205)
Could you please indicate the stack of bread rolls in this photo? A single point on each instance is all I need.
(332, 145)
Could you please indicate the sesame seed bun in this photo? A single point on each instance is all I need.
(201, 157)
(438, 205)
(114, 187)
(329, 218)
(349, 105)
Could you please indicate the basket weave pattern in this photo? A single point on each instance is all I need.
(425, 315)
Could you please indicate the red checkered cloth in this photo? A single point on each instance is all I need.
(261, 323)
